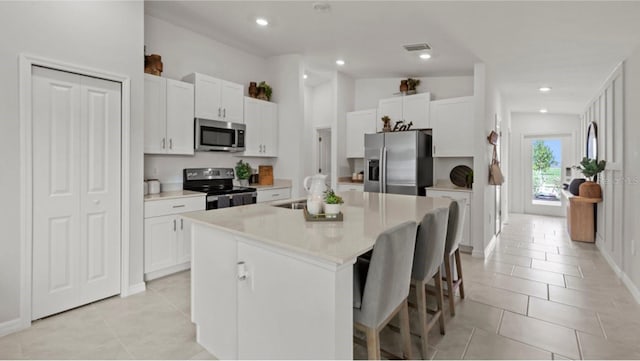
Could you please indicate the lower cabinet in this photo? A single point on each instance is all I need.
(466, 235)
(350, 187)
(167, 238)
(268, 195)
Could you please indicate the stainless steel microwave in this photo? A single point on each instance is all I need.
(214, 135)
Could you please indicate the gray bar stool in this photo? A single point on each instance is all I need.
(427, 259)
(381, 287)
(457, 212)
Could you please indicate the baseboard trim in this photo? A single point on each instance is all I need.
(137, 288)
(167, 271)
(11, 326)
(486, 252)
(633, 289)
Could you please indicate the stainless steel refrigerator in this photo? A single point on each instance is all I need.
(398, 162)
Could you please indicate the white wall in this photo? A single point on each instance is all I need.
(345, 99)
(101, 35)
(184, 52)
(322, 106)
(523, 124)
(368, 91)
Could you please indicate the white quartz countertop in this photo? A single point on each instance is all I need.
(366, 215)
(173, 195)
(449, 187)
(277, 184)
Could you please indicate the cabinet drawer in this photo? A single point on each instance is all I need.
(350, 187)
(173, 206)
(268, 195)
(451, 194)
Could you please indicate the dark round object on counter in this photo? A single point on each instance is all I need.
(574, 187)
(459, 175)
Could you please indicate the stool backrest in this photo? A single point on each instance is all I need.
(388, 279)
(430, 241)
(457, 214)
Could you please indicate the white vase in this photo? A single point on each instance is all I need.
(243, 182)
(314, 206)
(332, 209)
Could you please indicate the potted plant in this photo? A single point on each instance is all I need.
(413, 83)
(386, 123)
(332, 203)
(590, 168)
(264, 91)
(243, 172)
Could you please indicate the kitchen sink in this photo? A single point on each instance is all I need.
(292, 205)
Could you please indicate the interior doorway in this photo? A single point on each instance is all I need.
(323, 152)
(547, 164)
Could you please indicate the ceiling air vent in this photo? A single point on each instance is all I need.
(417, 47)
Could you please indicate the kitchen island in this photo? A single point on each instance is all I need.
(267, 284)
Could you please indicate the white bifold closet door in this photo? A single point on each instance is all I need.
(76, 141)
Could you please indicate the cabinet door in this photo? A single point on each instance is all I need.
(415, 109)
(179, 117)
(207, 95)
(232, 102)
(358, 124)
(155, 117)
(159, 242)
(392, 108)
(183, 241)
(452, 121)
(269, 113)
(253, 134)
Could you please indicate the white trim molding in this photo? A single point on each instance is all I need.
(488, 249)
(633, 289)
(133, 289)
(26, 62)
(11, 326)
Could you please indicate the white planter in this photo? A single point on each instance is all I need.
(332, 208)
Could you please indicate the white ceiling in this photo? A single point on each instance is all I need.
(570, 46)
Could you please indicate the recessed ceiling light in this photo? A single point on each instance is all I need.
(262, 21)
(543, 110)
(304, 76)
(340, 62)
(545, 89)
(425, 56)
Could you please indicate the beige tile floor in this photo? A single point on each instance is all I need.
(538, 296)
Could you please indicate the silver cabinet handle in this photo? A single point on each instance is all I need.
(276, 195)
(174, 225)
(178, 206)
(219, 112)
(181, 223)
(170, 143)
(434, 149)
(163, 143)
(242, 271)
(224, 112)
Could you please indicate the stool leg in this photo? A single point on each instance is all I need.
(459, 269)
(421, 296)
(450, 291)
(438, 281)
(373, 344)
(405, 330)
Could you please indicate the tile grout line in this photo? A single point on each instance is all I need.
(500, 322)
(528, 302)
(466, 347)
(579, 345)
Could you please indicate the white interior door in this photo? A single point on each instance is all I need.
(76, 190)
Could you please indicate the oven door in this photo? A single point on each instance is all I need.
(213, 135)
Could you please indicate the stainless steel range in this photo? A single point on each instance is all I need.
(218, 184)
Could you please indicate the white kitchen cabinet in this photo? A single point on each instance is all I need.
(168, 116)
(466, 239)
(410, 108)
(261, 119)
(358, 124)
(344, 187)
(273, 194)
(167, 239)
(452, 121)
(217, 99)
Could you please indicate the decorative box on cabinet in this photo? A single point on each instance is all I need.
(168, 116)
(410, 108)
(466, 239)
(167, 240)
(217, 99)
(261, 119)
(452, 123)
(359, 123)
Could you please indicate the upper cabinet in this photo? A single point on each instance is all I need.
(358, 124)
(261, 119)
(168, 116)
(217, 99)
(452, 122)
(410, 108)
